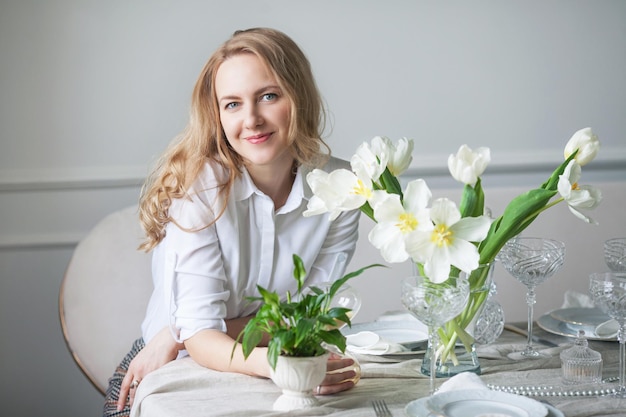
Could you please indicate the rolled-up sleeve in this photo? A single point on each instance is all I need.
(193, 273)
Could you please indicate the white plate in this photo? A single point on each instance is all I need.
(479, 402)
(580, 316)
(411, 335)
(548, 323)
(418, 408)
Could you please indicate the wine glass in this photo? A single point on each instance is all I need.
(347, 297)
(615, 254)
(608, 291)
(434, 304)
(531, 261)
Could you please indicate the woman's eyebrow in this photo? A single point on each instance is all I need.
(255, 93)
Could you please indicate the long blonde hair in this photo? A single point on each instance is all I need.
(204, 140)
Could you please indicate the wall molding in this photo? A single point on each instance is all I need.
(423, 166)
(39, 242)
(521, 162)
(115, 184)
(72, 179)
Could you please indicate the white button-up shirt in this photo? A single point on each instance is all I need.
(203, 275)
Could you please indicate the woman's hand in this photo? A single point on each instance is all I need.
(341, 374)
(160, 350)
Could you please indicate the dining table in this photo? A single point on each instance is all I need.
(184, 388)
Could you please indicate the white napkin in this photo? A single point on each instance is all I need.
(462, 381)
(606, 329)
(370, 343)
(575, 299)
(398, 315)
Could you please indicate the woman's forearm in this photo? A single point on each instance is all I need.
(213, 349)
(235, 326)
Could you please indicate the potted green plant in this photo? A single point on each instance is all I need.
(299, 327)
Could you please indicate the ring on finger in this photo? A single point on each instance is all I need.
(357, 374)
(319, 389)
(134, 384)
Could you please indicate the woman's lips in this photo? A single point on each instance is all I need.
(256, 139)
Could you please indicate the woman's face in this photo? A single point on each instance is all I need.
(254, 112)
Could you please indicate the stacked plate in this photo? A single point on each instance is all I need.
(411, 335)
(479, 402)
(568, 321)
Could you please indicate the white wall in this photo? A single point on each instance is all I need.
(92, 91)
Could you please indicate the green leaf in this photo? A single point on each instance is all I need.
(473, 200)
(337, 284)
(303, 329)
(468, 201)
(252, 336)
(553, 181)
(338, 313)
(519, 213)
(299, 272)
(274, 348)
(391, 183)
(368, 210)
(268, 297)
(334, 337)
(480, 199)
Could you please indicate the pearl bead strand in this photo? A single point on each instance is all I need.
(553, 391)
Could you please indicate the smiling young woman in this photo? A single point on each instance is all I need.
(222, 213)
(255, 115)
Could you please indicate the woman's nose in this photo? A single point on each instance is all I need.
(253, 117)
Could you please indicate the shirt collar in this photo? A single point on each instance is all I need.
(244, 188)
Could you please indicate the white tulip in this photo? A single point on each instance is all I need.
(336, 192)
(370, 161)
(467, 165)
(587, 144)
(578, 196)
(401, 156)
(449, 242)
(396, 220)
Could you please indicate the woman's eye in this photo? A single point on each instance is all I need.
(231, 106)
(269, 97)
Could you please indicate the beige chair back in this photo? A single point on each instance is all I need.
(104, 294)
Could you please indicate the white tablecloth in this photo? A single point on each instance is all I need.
(185, 389)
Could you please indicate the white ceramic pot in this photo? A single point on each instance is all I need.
(297, 377)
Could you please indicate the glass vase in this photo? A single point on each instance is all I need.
(457, 344)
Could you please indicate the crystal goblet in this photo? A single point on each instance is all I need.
(347, 297)
(531, 261)
(608, 291)
(615, 254)
(434, 304)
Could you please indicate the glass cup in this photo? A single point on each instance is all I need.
(434, 304)
(532, 260)
(615, 254)
(608, 291)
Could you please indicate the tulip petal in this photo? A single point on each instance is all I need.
(444, 211)
(389, 241)
(463, 255)
(472, 229)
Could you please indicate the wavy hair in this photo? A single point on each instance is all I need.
(203, 138)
